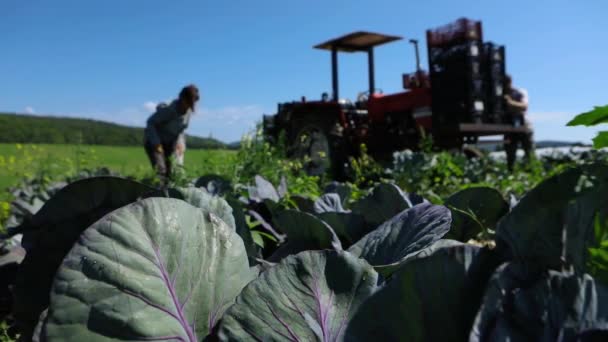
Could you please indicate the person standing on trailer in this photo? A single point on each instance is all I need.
(516, 100)
(164, 135)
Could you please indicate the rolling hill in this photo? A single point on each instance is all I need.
(21, 128)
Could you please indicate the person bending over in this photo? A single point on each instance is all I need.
(165, 130)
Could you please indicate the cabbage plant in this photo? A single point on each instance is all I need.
(137, 264)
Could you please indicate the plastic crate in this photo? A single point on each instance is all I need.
(459, 31)
(493, 66)
(458, 100)
(493, 52)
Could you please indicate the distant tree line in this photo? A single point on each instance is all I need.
(19, 128)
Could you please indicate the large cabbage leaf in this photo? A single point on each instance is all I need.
(9, 264)
(525, 304)
(381, 204)
(158, 269)
(263, 190)
(536, 230)
(407, 233)
(228, 209)
(349, 227)
(304, 232)
(473, 210)
(582, 216)
(53, 231)
(343, 190)
(214, 184)
(243, 230)
(303, 203)
(28, 198)
(200, 199)
(434, 298)
(430, 250)
(307, 297)
(328, 203)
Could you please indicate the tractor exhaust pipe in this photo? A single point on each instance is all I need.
(419, 74)
(415, 43)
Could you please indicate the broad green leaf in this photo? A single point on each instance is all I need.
(306, 297)
(486, 204)
(53, 231)
(594, 117)
(158, 269)
(535, 229)
(257, 238)
(601, 140)
(522, 304)
(384, 202)
(304, 232)
(406, 234)
(434, 298)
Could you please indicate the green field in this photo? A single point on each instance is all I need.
(27, 160)
(36, 129)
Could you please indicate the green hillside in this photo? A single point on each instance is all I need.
(20, 128)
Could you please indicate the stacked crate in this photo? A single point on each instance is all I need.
(494, 71)
(456, 70)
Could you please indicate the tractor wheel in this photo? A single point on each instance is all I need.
(312, 144)
(472, 152)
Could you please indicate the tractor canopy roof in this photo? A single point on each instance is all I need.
(357, 41)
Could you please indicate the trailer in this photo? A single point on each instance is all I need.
(458, 100)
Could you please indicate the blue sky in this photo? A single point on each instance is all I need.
(113, 59)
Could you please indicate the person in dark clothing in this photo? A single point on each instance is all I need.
(516, 101)
(165, 130)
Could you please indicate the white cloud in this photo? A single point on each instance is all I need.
(150, 106)
(227, 123)
(29, 110)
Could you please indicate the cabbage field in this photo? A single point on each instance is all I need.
(434, 247)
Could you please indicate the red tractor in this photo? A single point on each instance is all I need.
(458, 100)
